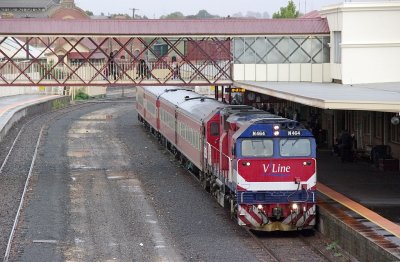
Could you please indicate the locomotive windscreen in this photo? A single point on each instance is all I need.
(297, 147)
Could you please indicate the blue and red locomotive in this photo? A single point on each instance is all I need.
(262, 165)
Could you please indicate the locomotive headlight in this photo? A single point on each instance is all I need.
(246, 163)
(259, 206)
(276, 127)
(276, 133)
(295, 207)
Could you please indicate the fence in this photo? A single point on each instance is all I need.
(84, 72)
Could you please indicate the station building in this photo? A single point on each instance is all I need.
(335, 69)
(347, 76)
(59, 9)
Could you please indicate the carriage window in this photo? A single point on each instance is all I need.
(214, 129)
(295, 147)
(257, 147)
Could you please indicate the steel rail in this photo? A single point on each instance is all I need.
(261, 244)
(16, 220)
(21, 203)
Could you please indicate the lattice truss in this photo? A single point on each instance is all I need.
(279, 50)
(61, 61)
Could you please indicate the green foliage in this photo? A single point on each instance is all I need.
(174, 15)
(58, 103)
(89, 13)
(287, 12)
(81, 95)
(202, 14)
(334, 247)
(120, 15)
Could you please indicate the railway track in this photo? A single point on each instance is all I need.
(284, 246)
(293, 246)
(17, 168)
(266, 246)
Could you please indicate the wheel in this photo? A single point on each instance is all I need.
(205, 183)
(233, 210)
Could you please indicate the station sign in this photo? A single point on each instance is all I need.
(235, 89)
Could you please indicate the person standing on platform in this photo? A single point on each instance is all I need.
(346, 146)
(111, 66)
(175, 68)
(143, 70)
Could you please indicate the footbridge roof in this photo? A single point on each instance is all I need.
(159, 27)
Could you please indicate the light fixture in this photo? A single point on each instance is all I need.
(246, 163)
(276, 133)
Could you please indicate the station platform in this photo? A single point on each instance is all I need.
(12, 108)
(362, 182)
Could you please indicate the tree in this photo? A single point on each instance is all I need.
(89, 13)
(238, 15)
(202, 14)
(287, 12)
(174, 15)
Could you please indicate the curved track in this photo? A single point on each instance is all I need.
(16, 171)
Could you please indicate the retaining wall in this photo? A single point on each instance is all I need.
(30, 110)
(349, 236)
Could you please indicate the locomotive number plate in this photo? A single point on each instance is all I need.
(294, 133)
(258, 133)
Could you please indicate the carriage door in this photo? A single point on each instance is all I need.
(213, 142)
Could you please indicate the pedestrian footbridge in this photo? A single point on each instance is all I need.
(47, 52)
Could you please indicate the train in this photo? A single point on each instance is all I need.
(260, 166)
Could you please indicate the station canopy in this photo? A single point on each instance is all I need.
(381, 97)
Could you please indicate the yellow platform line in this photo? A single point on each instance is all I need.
(389, 226)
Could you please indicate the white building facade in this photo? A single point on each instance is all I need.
(365, 42)
(349, 77)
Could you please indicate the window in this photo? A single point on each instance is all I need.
(140, 99)
(337, 37)
(295, 147)
(151, 108)
(395, 133)
(214, 129)
(60, 59)
(161, 49)
(378, 124)
(366, 123)
(257, 147)
(277, 50)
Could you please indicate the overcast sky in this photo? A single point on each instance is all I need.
(156, 8)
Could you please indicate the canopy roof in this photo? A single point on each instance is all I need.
(383, 97)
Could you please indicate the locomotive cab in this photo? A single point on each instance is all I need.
(275, 175)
